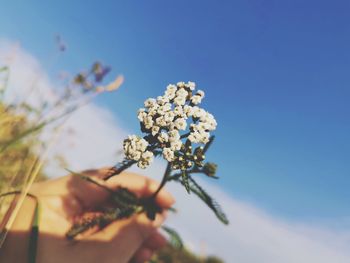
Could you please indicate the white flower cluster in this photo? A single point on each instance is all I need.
(164, 117)
(135, 149)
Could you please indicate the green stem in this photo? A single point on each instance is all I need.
(185, 135)
(178, 175)
(120, 167)
(164, 180)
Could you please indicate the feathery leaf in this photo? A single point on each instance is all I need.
(175, 239)
(185, 182)
(211, 203)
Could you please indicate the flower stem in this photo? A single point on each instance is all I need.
(118, 168)
(185, 135)
(164, 180)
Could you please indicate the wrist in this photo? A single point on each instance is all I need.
(16, 243)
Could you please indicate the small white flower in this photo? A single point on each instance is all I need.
(191, 85)
(164, 108)
(176, 145)
(198, 112)
(161, 100)
(153, 110)
(181, 93)
(142, 145)
(161, 110)
(174, 135)
(134, 146)
(167, 106)
(168, 154)
(155, 130)
(141, 114)
(209, 120)
(180, 124)
(179, 111)
(194, 137)
(196, 127)
(145, 160)
(195, 111)
(201, 93)
(148, 156)
(198, 135)
(179, 100)
(170, 91)
(169, 116)
(134, 155)
(196, 99)
(202, 126)
(150, 103)
(205, 137)
(148, 122)
(163, 137)
(181, 84)
(171, 126)
(171, 88)
(160, 121)
(188, 110)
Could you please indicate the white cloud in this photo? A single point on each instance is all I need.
(90, 137)
(33, 81)
(255, 236)
(252, 236)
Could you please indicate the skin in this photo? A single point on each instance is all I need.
(64, 199)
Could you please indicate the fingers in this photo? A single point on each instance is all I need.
(155, 241)
(142, 186)
(87, 193)
(125, 237)
(142, 255)
(92, 195)
(138, 228)
(150, 246)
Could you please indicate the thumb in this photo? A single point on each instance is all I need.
(123, 238)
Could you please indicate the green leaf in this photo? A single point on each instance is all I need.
(4, 75)
(21, 135)
(118, 168)
(2, 69)
(185, 182)
(209, 169)
(34, 235)
(122, 197)
(211, 203)
(172, 209)
(100, 220)
(175, 239)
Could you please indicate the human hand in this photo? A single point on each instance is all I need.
(62, 200)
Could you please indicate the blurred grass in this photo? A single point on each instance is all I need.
(17, 158)
(169, 254)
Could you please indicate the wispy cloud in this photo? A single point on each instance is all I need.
(255, 236)
(252, 236)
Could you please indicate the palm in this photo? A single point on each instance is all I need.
(64, 199)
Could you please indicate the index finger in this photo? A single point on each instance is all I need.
(140, 185)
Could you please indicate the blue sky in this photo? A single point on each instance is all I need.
(276, 74)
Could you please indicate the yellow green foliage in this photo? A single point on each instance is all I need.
(170, 254)
(17, 159)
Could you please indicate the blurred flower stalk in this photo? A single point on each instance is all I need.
(23, 125)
